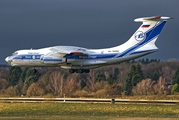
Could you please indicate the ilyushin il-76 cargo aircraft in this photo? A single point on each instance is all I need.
(81, 60)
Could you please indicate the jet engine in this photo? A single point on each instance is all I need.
(51, 60)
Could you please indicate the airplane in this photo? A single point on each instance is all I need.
(81, 60)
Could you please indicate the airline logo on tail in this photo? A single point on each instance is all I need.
(139, 36)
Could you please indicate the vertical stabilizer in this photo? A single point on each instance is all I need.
(145, 36)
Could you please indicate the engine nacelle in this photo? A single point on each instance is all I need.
(51, 60)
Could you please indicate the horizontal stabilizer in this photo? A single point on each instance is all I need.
(153, 18)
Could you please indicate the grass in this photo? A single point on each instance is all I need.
(79, 109)
(80, 118)
(153, 97)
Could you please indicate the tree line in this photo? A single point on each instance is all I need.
(142, 77)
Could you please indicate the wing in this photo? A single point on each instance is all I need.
(65, 51)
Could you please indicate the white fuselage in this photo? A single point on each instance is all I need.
(46, 57)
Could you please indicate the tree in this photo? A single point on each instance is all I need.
(175, 88)
(56, 83)
(155, 76)
(176, 77)
(144, 87)
(100, 76)
(142, 61)
(14, 75)
(116, 73)
(23, 74)
(34, 76)
(72, 83)
(4, 72)
(12, 91)
(135, 75)
(30, 77)
(159, 87)
(91, 79)
(44, 81)
(147, 61)
(82, 84)
(139, 74)
(3, 85)
(113, 77)
(110, 79)
(35, 90)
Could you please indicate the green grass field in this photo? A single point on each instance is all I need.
(68, 111)
(79, 118)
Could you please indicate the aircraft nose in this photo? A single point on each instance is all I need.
(8, 60)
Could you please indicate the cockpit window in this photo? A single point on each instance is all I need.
(15, 53)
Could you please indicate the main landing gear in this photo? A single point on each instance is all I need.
(34, 70)
(79, 70)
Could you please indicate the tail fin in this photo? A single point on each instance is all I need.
(145, 36)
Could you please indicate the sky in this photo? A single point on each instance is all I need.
(26, 24)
